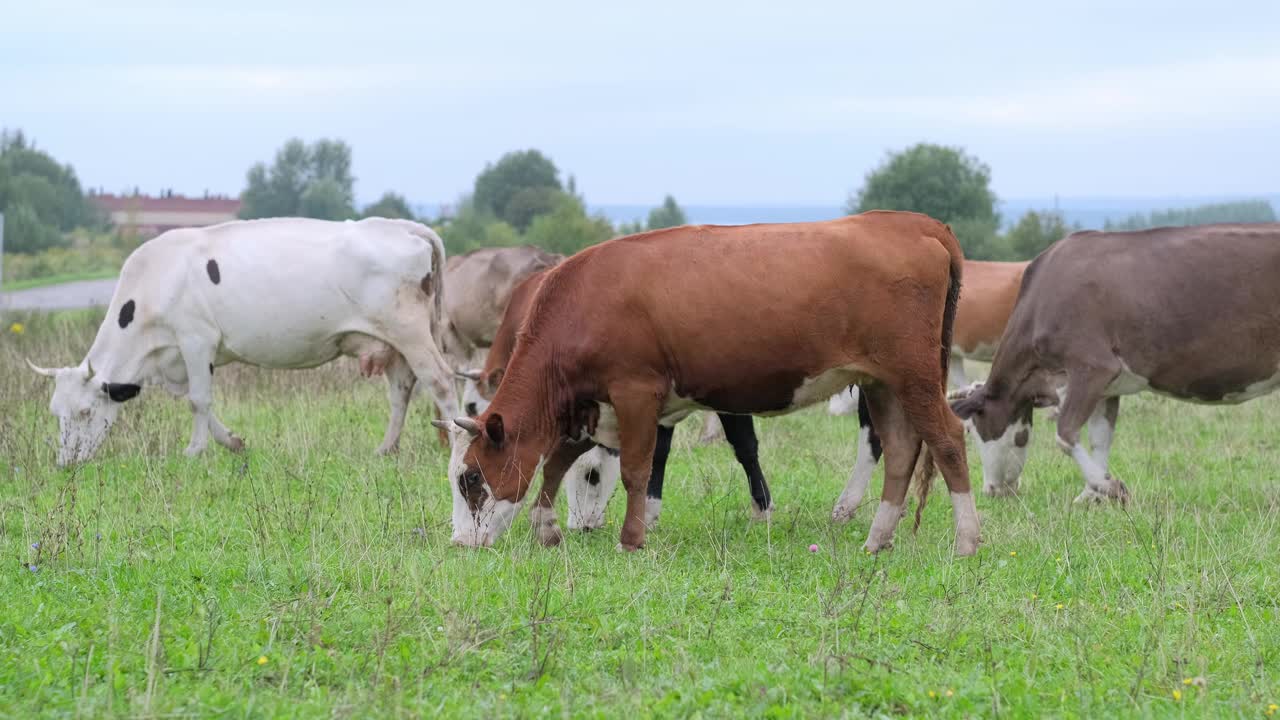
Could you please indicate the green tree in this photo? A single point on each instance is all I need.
(306, 181)
(499, 184)
(324, 199)
(669, 214)
(390, 205)
(942, 182)
(470, 229)
(568, 228)
(25, 233)
(1034, 232)
(41, 199)
(529, 203)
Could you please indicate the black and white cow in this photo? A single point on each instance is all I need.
(279, 293)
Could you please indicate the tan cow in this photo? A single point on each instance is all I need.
(990, 291)
(752, 320)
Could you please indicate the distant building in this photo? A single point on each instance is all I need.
(145, 217)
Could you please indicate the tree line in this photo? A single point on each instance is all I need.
(520, 198)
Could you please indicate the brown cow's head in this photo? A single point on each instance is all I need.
(490, 471)
(1001, 421)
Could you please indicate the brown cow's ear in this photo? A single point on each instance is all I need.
(494, 429)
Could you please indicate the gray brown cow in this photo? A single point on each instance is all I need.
(758, 320)
(1192, 313)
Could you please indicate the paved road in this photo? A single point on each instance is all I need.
(68, 296)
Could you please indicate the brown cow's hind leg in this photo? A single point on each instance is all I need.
(926, 407)
(901, 445)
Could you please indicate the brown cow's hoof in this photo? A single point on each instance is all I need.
(236, 445)
(628, 547)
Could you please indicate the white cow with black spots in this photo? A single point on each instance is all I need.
(278, 293)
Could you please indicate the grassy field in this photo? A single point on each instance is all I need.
(307, 578)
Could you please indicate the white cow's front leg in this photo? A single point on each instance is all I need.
(199, 364)
(863, 466)
(957, 375)
(589, 484)
(225, 437)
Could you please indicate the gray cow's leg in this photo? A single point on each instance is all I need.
(1084, 401)
(400, 382)
(957, 376)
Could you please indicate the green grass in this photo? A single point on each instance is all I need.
(160, 584)
(13, 285)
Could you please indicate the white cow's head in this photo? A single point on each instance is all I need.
(85, 409)
(1001, 423)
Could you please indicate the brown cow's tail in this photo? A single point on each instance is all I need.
(925, 470)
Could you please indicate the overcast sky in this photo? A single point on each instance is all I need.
(729, 103)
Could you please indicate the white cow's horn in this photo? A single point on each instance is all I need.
(474, 375)
(468, 424)
(43, 371)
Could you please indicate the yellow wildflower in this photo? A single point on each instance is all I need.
(1187, 681)
(949, 692)
(1177, 695)
(262, 659)
(1272, 708)
(1013, 553)
(1060, 606)
(933, 694)
(17, 328)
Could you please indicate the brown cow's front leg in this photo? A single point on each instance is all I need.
(542, 516)
(636, 408)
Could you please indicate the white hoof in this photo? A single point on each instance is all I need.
(843, 512)
(759, 515)
(652, 509)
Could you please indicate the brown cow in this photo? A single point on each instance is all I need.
(1192, 313)
(739, 432)
(757, 319)
(990, 291)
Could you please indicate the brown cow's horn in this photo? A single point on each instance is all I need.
(468, 424)
(43, 371)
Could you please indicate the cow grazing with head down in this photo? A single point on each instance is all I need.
(1192, 313)
(990, 291)
(751, 320)
(592, 477)
(279, 293)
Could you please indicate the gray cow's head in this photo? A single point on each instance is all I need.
(85, 409)
(1001, 423)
